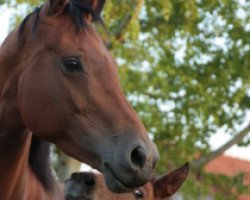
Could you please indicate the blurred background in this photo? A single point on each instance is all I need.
(185, 67)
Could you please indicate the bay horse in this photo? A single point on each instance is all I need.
(59, 84)
(91, 186)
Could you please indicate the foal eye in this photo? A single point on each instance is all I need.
(138, 194)
(72, 65)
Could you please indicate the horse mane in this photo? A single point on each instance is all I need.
(74, 9)
(39, 160)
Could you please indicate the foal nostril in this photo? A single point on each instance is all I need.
(138, 157)
(89, 181)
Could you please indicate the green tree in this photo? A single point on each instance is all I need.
(184, 66)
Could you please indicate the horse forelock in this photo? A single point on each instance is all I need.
(77, 8)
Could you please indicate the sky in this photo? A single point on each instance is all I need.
(217, 140)
(4, 19)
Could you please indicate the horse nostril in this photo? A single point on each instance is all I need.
(138, 157)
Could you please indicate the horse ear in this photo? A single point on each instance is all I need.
(56, 6)
(170, 183)
(98, 6)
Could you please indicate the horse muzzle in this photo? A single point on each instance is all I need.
(131, 166)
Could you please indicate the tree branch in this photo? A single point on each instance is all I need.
(205, 159)
(129, 17)
(123, 25)
(126, 20)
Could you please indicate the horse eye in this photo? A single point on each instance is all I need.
(72, 65)
(138, 194)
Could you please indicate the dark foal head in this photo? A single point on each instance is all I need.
(91, 186)
(69, 94)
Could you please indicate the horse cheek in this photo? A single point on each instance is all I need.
(36, 104)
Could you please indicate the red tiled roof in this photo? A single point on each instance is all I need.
(244, 197)
(227, 165)
(230, 166)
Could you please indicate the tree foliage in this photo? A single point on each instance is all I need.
(184, 65)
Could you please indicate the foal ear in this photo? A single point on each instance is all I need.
(170, 183)
(56, 6)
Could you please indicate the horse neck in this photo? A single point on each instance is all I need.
(17, 156)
